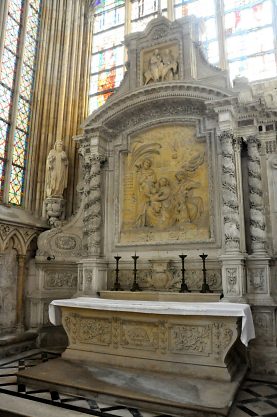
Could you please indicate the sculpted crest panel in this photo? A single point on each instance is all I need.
(166, 190)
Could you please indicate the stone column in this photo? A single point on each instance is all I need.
(60, 102)
(256, 203)
(92, 275)
(20, 293)
(233, 270)
(258, 271)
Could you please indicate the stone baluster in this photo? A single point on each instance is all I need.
(229, 194)
(257, 217)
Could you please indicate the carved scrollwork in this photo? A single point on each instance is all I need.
(191, 339)
(232, 279)
(222, 336)
(61, 280)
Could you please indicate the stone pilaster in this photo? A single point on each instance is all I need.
(233, 268)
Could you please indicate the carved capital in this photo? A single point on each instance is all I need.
(253, 141)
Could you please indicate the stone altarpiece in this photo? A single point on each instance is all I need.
(175, 161)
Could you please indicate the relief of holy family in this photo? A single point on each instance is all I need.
(166, 184)
(161, 205)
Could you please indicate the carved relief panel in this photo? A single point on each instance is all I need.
(160, 64)
(165, 187)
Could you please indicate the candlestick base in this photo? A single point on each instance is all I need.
(135, 287)
(117, 287)
(184, 288)
(205, 288)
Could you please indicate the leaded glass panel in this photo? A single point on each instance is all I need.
(20, 69)
(8, 68)
(16, 185)
(20, 141)
(198, 8)
(106, 80)
(245, 19)
(108, 39)
(32, 22)
(15, 9)
(108, 19)
(26, 82)
(3, 138)
(103, 5)
(11, 34)
(254, 68)
(5, 102)
(29, 53)
(107, 59)
(250, 43)
(2, 177)
(23, 114)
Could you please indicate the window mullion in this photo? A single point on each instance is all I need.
(219, 7)
(14, 109)
(170, 9)
(3, 19)
(274, 26)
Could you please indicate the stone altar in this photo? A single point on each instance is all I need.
(113, 342)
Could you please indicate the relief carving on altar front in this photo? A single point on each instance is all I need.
(161, 64)
(165, 187)
(191, 339)
(135, 335)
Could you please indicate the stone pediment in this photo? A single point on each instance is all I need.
(164, 61)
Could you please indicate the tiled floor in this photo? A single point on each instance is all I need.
(255, 399)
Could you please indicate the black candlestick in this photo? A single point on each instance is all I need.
(135, 286)
(117, 286)
(205, 286)
(184, 287)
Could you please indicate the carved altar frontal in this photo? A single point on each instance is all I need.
(165, 186)
(179, 344)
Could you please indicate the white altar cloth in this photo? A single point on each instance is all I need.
(161, 307)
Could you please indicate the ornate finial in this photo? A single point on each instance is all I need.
(159, 8)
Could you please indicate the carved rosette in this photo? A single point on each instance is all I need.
(229, 193)
(257, 218)
(93, 205)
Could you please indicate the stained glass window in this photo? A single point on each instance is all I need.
(250, 38)
(235, 34)
(17, 64)
(206, 11)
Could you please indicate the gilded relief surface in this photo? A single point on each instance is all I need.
(165, 180)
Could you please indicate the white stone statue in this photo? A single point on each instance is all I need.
(56, 171)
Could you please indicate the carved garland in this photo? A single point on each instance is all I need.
(229, 193)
